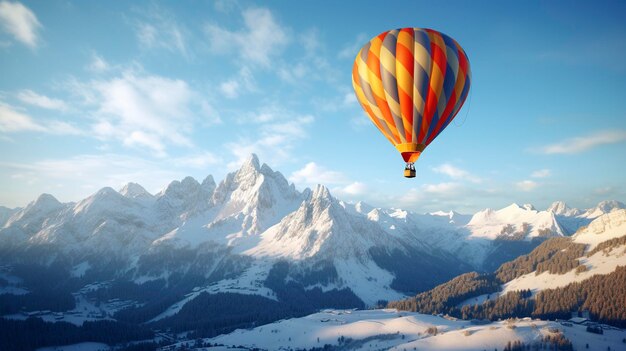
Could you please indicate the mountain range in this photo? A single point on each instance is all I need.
(255, 214)
(253, 241)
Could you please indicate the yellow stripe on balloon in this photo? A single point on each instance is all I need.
(362, 71)
(375, 82)
(405, 82)
(363, 101)
(388, 63)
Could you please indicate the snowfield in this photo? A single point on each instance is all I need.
(603, 228)
(390, 329)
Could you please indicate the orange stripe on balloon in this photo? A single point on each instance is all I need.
(375, 81)
(365, 105)
(437, 74)
(404, 74)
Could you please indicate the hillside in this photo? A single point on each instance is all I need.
(586, 272)
(262, 249)
(396, 330)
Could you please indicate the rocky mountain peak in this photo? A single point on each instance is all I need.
(134, 191)
(560, 208)
(208, 184)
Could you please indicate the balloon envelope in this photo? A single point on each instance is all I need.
(411, 82)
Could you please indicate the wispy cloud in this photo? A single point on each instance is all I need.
(456, 173)
(98, 64)
(32, 98)
(160, 30)
(350, 50)
(79, 176)
(261, 39)
(541, 173)
(20, 22)
(273, 140)
(341, 185)
(442, 196)
(14, 121)
(145, 111)
(584, 143)
(526, 185)
(352, 189)
(312, 174)
(242, 82)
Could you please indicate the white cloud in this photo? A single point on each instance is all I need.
(14, 121)
(456, 173)
(273, 141)
(201, 160)
(443, 196)
(81, 175)
(312, 174)
(526, 185)
(242, 82)
(584, 143)
(293, 73)
(350, 50)
(160, 30)
(606, 190)
(349, 99)
(146, 111)
(446, 188)
(353, 189)
(20, 22)
(262, 38)
(541, 173)
(32, 98)
(225, 6)
(98, 64)
(341, 186)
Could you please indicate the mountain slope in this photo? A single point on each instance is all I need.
(252, 234)
(583, 272)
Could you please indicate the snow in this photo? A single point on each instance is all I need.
(560, 208)
(80, 269)
(478, 300)
(255, 212)
(489, 223)
(599, 263)
(396, 330)
(250, 282)
(135, 191)
(603, 208)
(86, 308)
(83, 346)
(13, 283)
(369, 282)
(609, 226)
(13, 290)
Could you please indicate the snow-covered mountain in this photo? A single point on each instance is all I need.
(390, 329)
(515, 222)
(234, 233)
(591, 262)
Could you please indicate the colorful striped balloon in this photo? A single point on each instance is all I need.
(411, 82)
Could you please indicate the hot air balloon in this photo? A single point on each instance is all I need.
(411, 82)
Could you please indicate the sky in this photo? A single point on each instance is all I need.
(96, 94)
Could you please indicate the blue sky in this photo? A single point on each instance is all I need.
(98, 94)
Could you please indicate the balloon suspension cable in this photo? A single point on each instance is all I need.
(469, 104)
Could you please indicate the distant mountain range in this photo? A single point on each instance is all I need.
(254, 234)
(515, 308)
